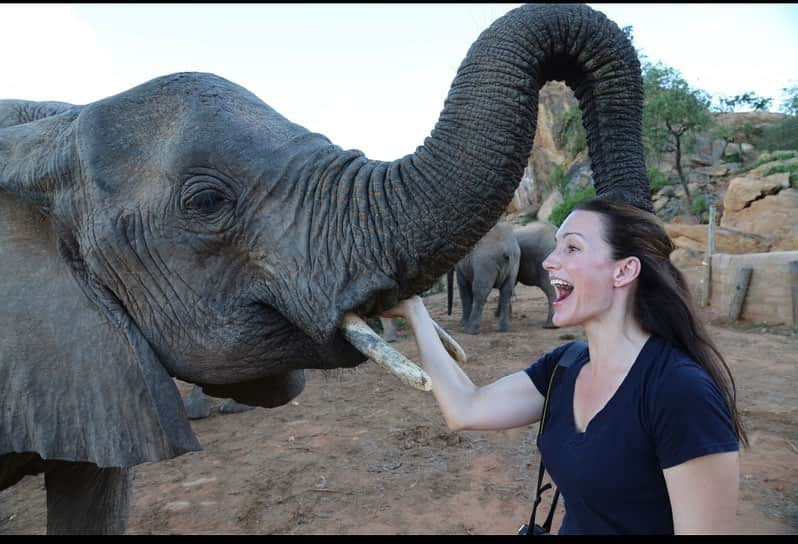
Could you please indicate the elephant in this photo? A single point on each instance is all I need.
(491, 264)
(198, 405)
(388, 329)
(536, 241)
(184, 229)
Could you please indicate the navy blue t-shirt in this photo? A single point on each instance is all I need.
(666, 411)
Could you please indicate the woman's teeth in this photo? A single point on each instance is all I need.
(563, 289)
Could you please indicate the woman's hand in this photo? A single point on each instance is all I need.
(405, 308)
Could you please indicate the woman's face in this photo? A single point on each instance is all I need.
(581, 270)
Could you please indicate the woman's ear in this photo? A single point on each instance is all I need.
(626, 271)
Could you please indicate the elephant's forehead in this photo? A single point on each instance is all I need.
(154, 131)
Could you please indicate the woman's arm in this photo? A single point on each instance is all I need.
(512, 401)
(703, 494)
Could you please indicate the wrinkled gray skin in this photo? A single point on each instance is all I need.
(185, 229)
(492, 264)
(536, 241)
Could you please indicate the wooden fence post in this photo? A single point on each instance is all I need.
(707, 280)
(794, 282)
(740, 289)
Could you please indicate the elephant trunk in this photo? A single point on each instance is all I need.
(378, 232)
(432, 206)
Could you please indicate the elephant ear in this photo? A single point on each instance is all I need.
(78, 381)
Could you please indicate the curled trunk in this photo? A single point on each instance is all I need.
(432, 206)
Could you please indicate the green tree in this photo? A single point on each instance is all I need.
(790, 105)
(672, 112)
(748, 99)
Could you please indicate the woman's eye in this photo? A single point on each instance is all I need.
(571, 249)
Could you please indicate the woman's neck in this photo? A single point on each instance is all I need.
(614, 341)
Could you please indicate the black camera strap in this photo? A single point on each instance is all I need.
(566, 360)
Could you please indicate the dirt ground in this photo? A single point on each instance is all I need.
(359, 453)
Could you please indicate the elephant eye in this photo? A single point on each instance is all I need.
(204, 198)
(206, 201)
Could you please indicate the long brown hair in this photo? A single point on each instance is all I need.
(663, 304)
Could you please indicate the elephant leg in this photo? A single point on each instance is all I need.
(466, 297)
(388, 329)
(232, 406)
(480, 296)
(505, 306)
(83, 498)
(513, 296)
(198, 405)
(551, 296)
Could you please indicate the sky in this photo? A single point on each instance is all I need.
(368, 76)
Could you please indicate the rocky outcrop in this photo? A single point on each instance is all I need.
(554, 100)
(764, 203)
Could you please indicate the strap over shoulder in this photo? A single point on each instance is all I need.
(572, 353)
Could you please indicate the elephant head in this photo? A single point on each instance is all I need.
(184, 228)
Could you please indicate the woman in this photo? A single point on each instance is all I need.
(643, 431)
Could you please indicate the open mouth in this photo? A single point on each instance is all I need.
(563, 288)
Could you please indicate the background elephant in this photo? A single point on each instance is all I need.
(536, 241)
(492, 264)
(185, 229)
(388, 329)
(198, 405)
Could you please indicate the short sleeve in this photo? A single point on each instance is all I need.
(540, 371)
(690, 418)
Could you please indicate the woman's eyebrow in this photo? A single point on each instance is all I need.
(567, 233)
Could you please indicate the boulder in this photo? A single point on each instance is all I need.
(766, 206)
(743, 191)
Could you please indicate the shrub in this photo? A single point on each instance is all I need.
(657, 180)
(734, 157)
(559, 213)
(559, 179)
(571, 135)
(528, 217)
(791, 169)
(782, 135)
(700, 205)
(772, 157)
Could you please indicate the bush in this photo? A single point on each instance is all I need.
(782, 135)
(778, 156)
(700, 205)
(528, 217)
(559, 179)
(791, 169)
(734, 157)
(657, 180)
(559, 213)
(571, 135)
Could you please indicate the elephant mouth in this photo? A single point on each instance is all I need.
(370, 344)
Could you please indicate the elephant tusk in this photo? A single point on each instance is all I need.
(369, 343)
(451, 345)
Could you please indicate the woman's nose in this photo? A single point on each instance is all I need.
(549, 262)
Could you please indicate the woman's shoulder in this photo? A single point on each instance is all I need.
(665, 358)
(539, 370)
(674, 374)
